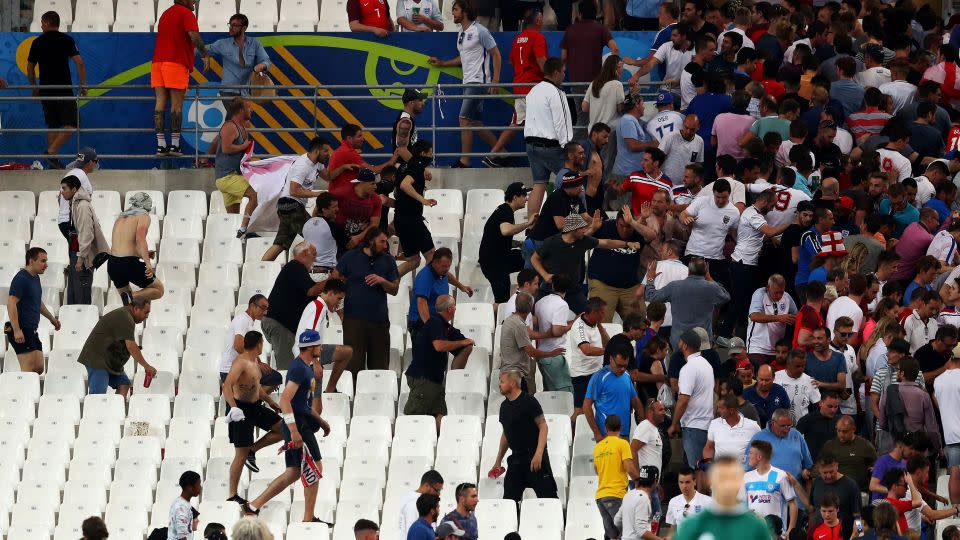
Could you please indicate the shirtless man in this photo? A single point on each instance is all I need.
(130, 256)
(246, 398)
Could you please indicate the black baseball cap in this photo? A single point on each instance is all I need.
(515, 189)
(648, 475)
(411, 94)
(364, 175)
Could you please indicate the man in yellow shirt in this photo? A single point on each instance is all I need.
(613, 460)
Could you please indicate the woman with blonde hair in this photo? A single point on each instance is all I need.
(251, 528)
(886, 307)
(883, 327)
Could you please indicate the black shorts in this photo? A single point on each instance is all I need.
(413, 234)
(60, 113)
(499, 274)
(519, 477)
(579, 389)
(308, 430)
(273, 378)
(257, 415)
(31, 342)
(126, 270)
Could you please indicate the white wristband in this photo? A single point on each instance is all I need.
(288, 418)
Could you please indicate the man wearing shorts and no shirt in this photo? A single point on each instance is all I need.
(130, 256)
(177, 35)
(248, 410)
(314, 317)
(300, 411)
(242, 323)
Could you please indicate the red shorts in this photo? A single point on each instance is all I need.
(169, 75)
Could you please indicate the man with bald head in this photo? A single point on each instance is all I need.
(855, 455)
(682, 148)
(767, 396)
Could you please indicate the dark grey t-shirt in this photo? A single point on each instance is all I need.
(559, 257)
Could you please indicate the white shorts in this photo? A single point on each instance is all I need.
(519, 111)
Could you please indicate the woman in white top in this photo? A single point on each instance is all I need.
(605, 94)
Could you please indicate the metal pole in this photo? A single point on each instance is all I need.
(77, 100)
(196, 126)
(433, 117)
(316, 90)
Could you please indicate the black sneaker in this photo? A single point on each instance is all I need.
(247, 511)
(318, 520)
(53, 162)
(490, 162)
(237, 499)
(251, 462)
(242, 233)
(162, 151)
(126, 298)
(459, 165)
(174, 151)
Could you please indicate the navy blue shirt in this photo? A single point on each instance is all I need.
(301, 373)
(421, 530)
(428, 363)
(615, 267)
(707, 107)
(430, 286)
(363, 301)
(27, 289)
(826, 371)
(776, 399)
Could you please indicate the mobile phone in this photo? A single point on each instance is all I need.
(858, 524)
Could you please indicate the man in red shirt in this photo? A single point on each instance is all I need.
(830, 529)
(370, 16)
(177, 35)
(351, 137)
(527, 55)
(643, 184)
(896, 482)
(809, 317)
(359, 207)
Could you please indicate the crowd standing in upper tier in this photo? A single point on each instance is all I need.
(778, 246)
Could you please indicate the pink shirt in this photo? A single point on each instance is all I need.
(728, 128)
(913, 244)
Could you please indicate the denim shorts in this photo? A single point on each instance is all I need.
(953, 455)
(544, 161)
(99, 379)
(472, 109)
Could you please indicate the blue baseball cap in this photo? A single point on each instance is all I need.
(664, 98)
(308, 338)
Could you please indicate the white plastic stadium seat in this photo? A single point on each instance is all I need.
(187, 202)
(289, 25)
(377, 381)
(214, 14)
(105, 202)
(14, 226)
(541, 518)
(134, 12)
(496, 515)
(262, 12)
(183, 226)
(333, 17)
(583, 519)
(449, 201)
(483, 200)
(222, 226)
(556, 402)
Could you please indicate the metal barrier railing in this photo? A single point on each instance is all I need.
(436, 98)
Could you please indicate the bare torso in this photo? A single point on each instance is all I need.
(124, 241)
(247, 386)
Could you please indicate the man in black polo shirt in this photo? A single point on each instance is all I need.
(291, 292)
(613, 274)
(560, 204)
(50, 51)
(498, 258)
(425, 375)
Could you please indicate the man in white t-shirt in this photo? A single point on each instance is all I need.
(689, 502)
(771, 311)
(893, 162)
(842, 332)
(528, 281)
(242, 323)
(646, 442)
(798, 385)
(636, 517)
(946, 393)
(674, 55)
(587, 341)
(729, 433)
(944, 247)
(682, 148)
(849, 305)
(669, 269)
(431, 483)
(898, 88)
(767, 489)
(316, 317)
(325, 234)
(551, 313)
(666, 121)
(712, 218)
(694, 409)
(752, 231)
(786, 198)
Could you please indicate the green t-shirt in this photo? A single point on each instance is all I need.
(712, 525)
(771, 123)
(105, 348)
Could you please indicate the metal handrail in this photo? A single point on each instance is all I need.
(436, 92)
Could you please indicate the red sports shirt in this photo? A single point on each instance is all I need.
(643, 187)
(826, 532)
(173, 43)
(369, 12)
(527, 47)
(343, 155)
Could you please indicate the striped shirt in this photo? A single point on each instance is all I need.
(949, 315)
(869, 121)
(642, 187)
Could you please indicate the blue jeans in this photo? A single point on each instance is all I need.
(472, 109)
(99, 379)
(544, 161)
(529, 247)
(693, 442)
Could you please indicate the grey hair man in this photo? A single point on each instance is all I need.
(517, 351)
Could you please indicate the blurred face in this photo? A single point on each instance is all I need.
(775, 292)
(708, 52)
(754, 457)
(618, 364)
(829, 406)
(765, 380)
(663, 17)
(677, 38)
(690, 13)
(601, 138)
(930, 309)
(470, 499)
(727, 47)
(846, 431)
(781, 427)
(690, 179)
(67, 192)
(796, 366)
(911, 194)
(532, 286)
(457, 13)
(649, 165)
(806, 218)
(441, 265)
(820, 342)
(140, 314)
(876, 187)
(721, 199)
(506, 384)
(898, 202)
(827, 135)
(714, 18)
(689, 129)
(725, 481)
(658, 204)
(236, 27)
(657, 413)
(593, 317)
(686, 484)
(333, 300)
(841, 335)
(577, 155)
(899, 489)
(745, 376)
(829, 514)
(826, 223)
(259, 309)
(379, 245)
(330, 212)
(830, 472)
(417, 105)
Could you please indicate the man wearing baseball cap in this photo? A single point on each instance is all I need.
(561, 203)
(300, 412)
(359, 207)
(448, 531)
(498, 257)
(635, 517)
(405, 126)
(667, 120)
(85, 164)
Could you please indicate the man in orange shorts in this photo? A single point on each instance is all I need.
(177, 35)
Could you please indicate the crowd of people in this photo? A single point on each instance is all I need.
(778, 244)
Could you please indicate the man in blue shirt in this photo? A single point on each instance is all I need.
(895, 204)
(24, 308)
(767, 396)
(707, 106)
(611, 391)
(809, 248)
(632, 139)
(431, 283)
(300, 411)
(826, 366)
(239, 55)
(428, 507)
(790, 451)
